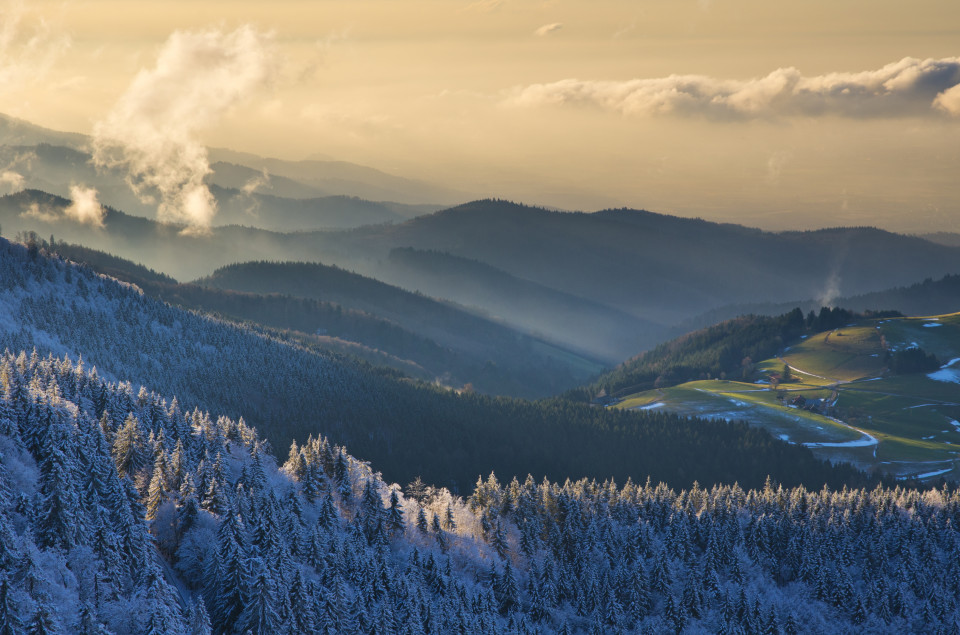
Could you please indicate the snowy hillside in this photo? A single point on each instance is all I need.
(121, 513)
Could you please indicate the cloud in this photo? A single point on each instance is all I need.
(261, 180)
(949, 101)
(906, 88)
(84, 206)
(547, 29)
(29, 46)
(12, 180)
(44, 213)
(152, 131)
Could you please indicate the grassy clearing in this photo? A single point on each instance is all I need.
(845, 354)
(943, 340)
(910, 415)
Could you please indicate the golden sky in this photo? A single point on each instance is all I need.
(775, 114)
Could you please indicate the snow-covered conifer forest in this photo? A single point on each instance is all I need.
(123, 511)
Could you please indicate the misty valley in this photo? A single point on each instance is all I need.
(494, 317)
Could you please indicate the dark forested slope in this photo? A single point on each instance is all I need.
(288, 392)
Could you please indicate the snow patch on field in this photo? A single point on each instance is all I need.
(949, 375)
(932, 324)
(937, 473)
(652, 406)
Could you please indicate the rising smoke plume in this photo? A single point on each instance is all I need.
(153, 130)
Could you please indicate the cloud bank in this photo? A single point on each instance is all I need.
(906, 88)
(152, 131)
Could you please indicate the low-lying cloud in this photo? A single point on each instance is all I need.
(85, 206)
(152, 131)
(909, 87)
(11, 181)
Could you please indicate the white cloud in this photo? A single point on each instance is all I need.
(547, 29)
(949, 101)
(12, 180)
(904, 88)
(152, 131)
(84, 206)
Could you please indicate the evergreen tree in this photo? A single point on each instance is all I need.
(42, 622)
(395, 523)
(260, 616)
(10, 622)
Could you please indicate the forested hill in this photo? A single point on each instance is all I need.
(406, 429)
(124, 513)
(656, 266)
(384, 325)
(505, 360)
(719, 351)
(929, 297)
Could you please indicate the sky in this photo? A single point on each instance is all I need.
(772, 114)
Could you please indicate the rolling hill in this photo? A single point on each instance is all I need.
(866, 390)
(244, 196)
(350, 314)
(661, 268)
(584, 324)
(288, 392)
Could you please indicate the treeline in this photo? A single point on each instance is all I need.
(724, 350)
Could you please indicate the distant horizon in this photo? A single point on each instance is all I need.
(771, 116)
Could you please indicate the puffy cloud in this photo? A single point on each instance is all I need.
(13, 181)
(907, 87)
(949, 101)
(152, 131)
(84, 206)
(547, 29)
